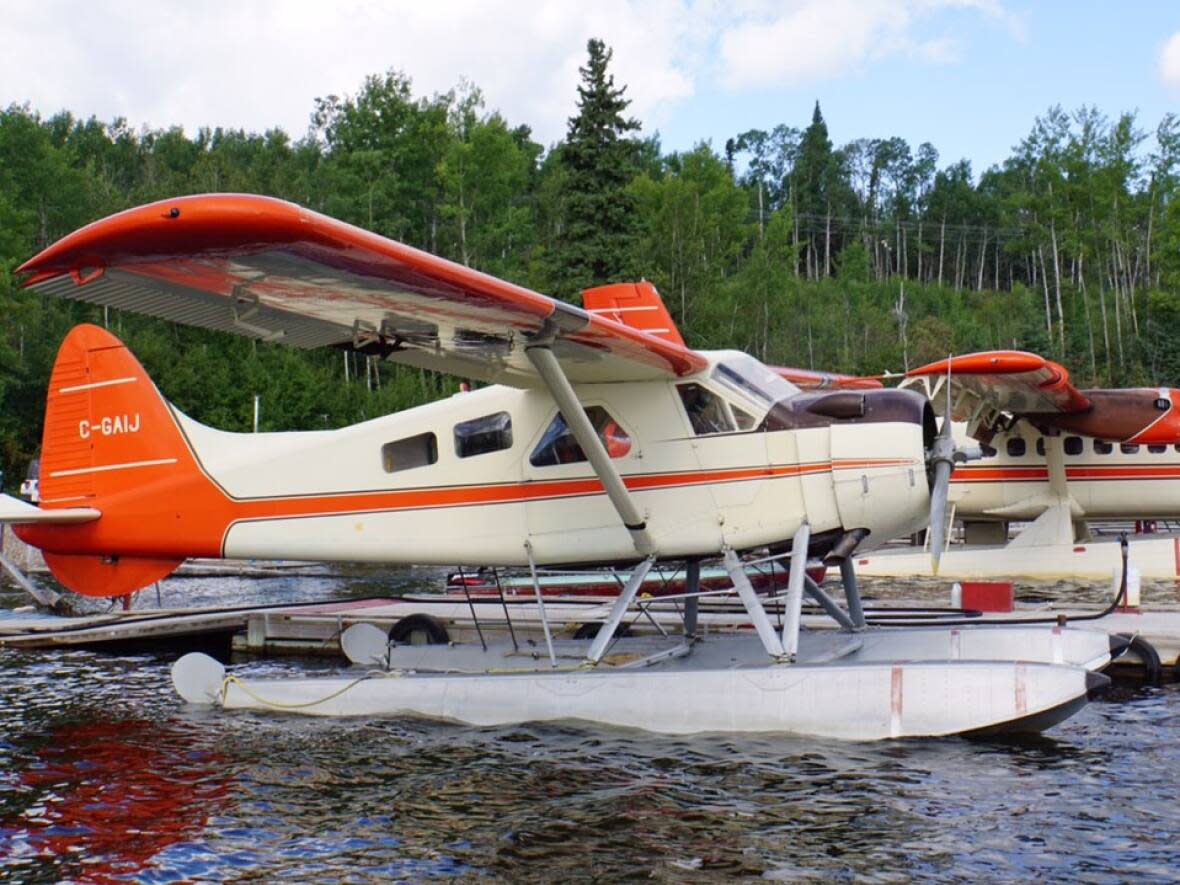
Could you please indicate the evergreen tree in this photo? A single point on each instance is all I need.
(811, 186)
(595, 243)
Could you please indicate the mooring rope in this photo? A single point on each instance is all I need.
(278, 705)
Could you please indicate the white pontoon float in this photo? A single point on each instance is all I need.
(860, 683)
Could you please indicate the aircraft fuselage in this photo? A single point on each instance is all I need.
(1107, 480)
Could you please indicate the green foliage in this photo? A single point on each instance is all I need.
(694, 232)
(596, 241)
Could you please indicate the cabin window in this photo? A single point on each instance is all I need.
(408, 453)
(1074, 445)
(1040, 445)
(988, 451)
(1157, 450)
(706, 410)
(1129, 448)
(558, 445)
(1102, 447)
(1016, 447)
(479, 436)
(745, 421)
(748, 376)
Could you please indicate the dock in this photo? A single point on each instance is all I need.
(314, 629)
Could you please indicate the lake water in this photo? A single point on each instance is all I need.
(106, 777)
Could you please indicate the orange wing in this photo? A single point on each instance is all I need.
(1011, 381)
(271, 270)
(1029, 386)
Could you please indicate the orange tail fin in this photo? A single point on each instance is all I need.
(109, 439)
(637, 305)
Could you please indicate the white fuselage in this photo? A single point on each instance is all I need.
(1106, 480)
(699, 493)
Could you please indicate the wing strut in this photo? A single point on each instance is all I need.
(541, 355)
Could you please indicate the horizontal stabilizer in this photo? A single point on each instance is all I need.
(806, 379)
(17, 511)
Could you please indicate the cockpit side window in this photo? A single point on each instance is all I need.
(706, 411)
(745, 421)
(558, 445)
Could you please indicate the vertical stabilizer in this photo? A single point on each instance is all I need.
(637, 305)
(109, 440)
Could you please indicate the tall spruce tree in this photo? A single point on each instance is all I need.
(596, 241)
(812, 203)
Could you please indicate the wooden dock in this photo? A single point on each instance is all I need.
(299, 629)
(315, 628)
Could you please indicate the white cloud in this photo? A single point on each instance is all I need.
(1170, 64)
(811, 40)
(257, 64)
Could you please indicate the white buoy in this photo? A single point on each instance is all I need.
(365, 645)
(956, 595)
(197, 678)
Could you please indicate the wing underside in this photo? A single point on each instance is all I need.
(267, 269)
(1027, 386)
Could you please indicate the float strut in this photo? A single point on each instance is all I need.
(692, 586)
(528, 548)
(829, 605)
(852, 592)
(607, 631)
(794, 605)
(741, 583)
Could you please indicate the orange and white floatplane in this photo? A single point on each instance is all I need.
(601, 439)
(1056, 457)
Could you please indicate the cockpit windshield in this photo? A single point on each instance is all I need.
(756, 381)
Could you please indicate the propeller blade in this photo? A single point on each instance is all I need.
(938, 500)
(942, 456)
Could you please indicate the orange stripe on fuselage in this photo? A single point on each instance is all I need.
(1087, 473)
(502, 493)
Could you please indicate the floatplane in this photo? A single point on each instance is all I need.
(600, 439)
(1054, 456)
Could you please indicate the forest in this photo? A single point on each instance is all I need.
(869, 256)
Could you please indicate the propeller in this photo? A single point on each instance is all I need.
(942, 458)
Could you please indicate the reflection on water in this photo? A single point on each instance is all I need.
(106, 777)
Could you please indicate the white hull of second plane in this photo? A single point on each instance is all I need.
(1058, 483)
(1104, 480)
(1156, 558)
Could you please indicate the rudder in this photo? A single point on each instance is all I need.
(104, 419)
(108, 435)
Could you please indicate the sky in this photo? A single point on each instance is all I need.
(969, 76)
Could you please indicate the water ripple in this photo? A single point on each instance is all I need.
(105, 777)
